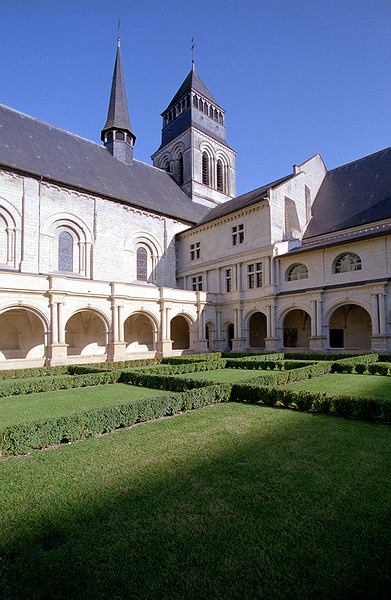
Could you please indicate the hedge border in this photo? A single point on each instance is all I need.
(24, 438)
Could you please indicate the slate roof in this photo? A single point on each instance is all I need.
(243, 201)
(352, 195)
(192, 82)
(34, 147)
(118, 113)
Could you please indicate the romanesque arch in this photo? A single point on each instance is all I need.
(66, 244)
(229, 335)
(350, 328)
(10, 228)
(145, 254)
(180, 333)
(139, 333)
(86, 334)
(297, 329)
(209, 334)
(22, 334)
(257, 330)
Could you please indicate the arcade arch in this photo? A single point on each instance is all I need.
(139, 333)
(350, 328)
(86, 334)
(297, 329)
(180, 333)
(257, 330)
(22, 335)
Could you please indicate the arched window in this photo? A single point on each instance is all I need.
(296, 271)
(205, 168)
(3, 241)
(220, 176)
(65, 252)
(166, 166)
(349, 261)
(211, 111)
(142, 264)
(119, 135)
(180, 169)
(200, 105)
(195, 101)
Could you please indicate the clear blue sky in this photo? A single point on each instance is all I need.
(295, 77)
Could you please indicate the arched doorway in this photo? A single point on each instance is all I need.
(209, 335)
(230, 335)
(297, 329)
(180, 333)
(85, 334)
(22, 335)
(139, 333)
(350, 328)
(257, 330)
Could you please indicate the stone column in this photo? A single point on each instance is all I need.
(57, 349)
(313, 318)
(379, 334)
(382, 314)
(164, 344)
(272, 343)
(375, 314)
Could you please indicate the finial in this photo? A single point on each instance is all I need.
(192, 52)
(118, 37)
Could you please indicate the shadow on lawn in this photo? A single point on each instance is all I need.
(301, 511)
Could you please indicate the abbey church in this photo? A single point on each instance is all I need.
(106, 258)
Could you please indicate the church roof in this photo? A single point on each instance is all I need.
(192, 82)
(353, 195)
(241, 202)
(32, 146)
(118, 113)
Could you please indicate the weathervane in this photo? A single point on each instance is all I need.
(192, 51)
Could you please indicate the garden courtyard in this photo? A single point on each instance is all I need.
(237, 499)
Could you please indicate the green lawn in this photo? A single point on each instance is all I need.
(225, 375)
(363, 386)
(30, 407)
(228, 502)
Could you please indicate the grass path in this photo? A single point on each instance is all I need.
(30, 407)
(228, 502)
(363, 386)
(226, 375)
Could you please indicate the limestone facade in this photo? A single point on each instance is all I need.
(124, 261)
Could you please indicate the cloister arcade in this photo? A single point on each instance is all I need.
(22, 335)
(87, 335)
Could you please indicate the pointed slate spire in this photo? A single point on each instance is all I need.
(117, 133)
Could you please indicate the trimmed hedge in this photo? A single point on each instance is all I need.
(298, 374)
(254, 355)
(50, 384)
(366, 409)
(162, 382)
(111, 366)
(317, 356)
(33, 372)
(178, 369)
(282, 365)
(23, 438)
(193, 358)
